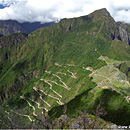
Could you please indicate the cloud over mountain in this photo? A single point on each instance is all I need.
(52, 10)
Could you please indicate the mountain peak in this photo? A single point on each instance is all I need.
(103, 11)
(101, 14)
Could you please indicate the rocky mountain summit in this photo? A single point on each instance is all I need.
(118, 32)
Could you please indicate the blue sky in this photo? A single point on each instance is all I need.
(2, 6)
(52, 10)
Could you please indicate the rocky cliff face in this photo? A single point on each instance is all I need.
(119, 33)
(124, 31)
(114, 30)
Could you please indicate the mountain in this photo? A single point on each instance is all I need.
(8, 27)
(76, 71)
(30, 27)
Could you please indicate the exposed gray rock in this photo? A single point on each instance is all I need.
(123, 35)
(119, 33)
(114, 127)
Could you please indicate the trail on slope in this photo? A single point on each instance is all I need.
(23, 115)
(34, 110)
(70, 64)
(59, 102)
(38, 104)
(20, 115)
(64, 85)
(41, 97)
(9, 117)
(55, 75)
(40, 92)
(46, 81)
(49, 83)
(60, 65)
(73, 76)
(61, 73)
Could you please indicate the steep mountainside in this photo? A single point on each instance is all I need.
(126, 28)
(79, 64)
(9, 50)
(11, 26)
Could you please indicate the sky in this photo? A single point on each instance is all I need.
(54, 10)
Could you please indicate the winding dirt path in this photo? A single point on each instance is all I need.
(70, 64)
(41, 97)
(59, 102)
(23, 115)
(58, 84)
(73, 76)
(61, 73)
(38, 104)
(8, 116)
(34, 110)
(56, 64)
(55, 75)
(64, 85)
(47, 81)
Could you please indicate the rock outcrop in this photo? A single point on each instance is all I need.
(123, 34)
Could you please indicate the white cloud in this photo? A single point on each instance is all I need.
(51, 10)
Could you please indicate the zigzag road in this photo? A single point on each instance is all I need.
(46, 81)
(38, 104)
(64, 85)
(59, 102)
(41, 97)
(34, 110)
(23, 115)
(73, 76)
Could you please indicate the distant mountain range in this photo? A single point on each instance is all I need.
(8, 27)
